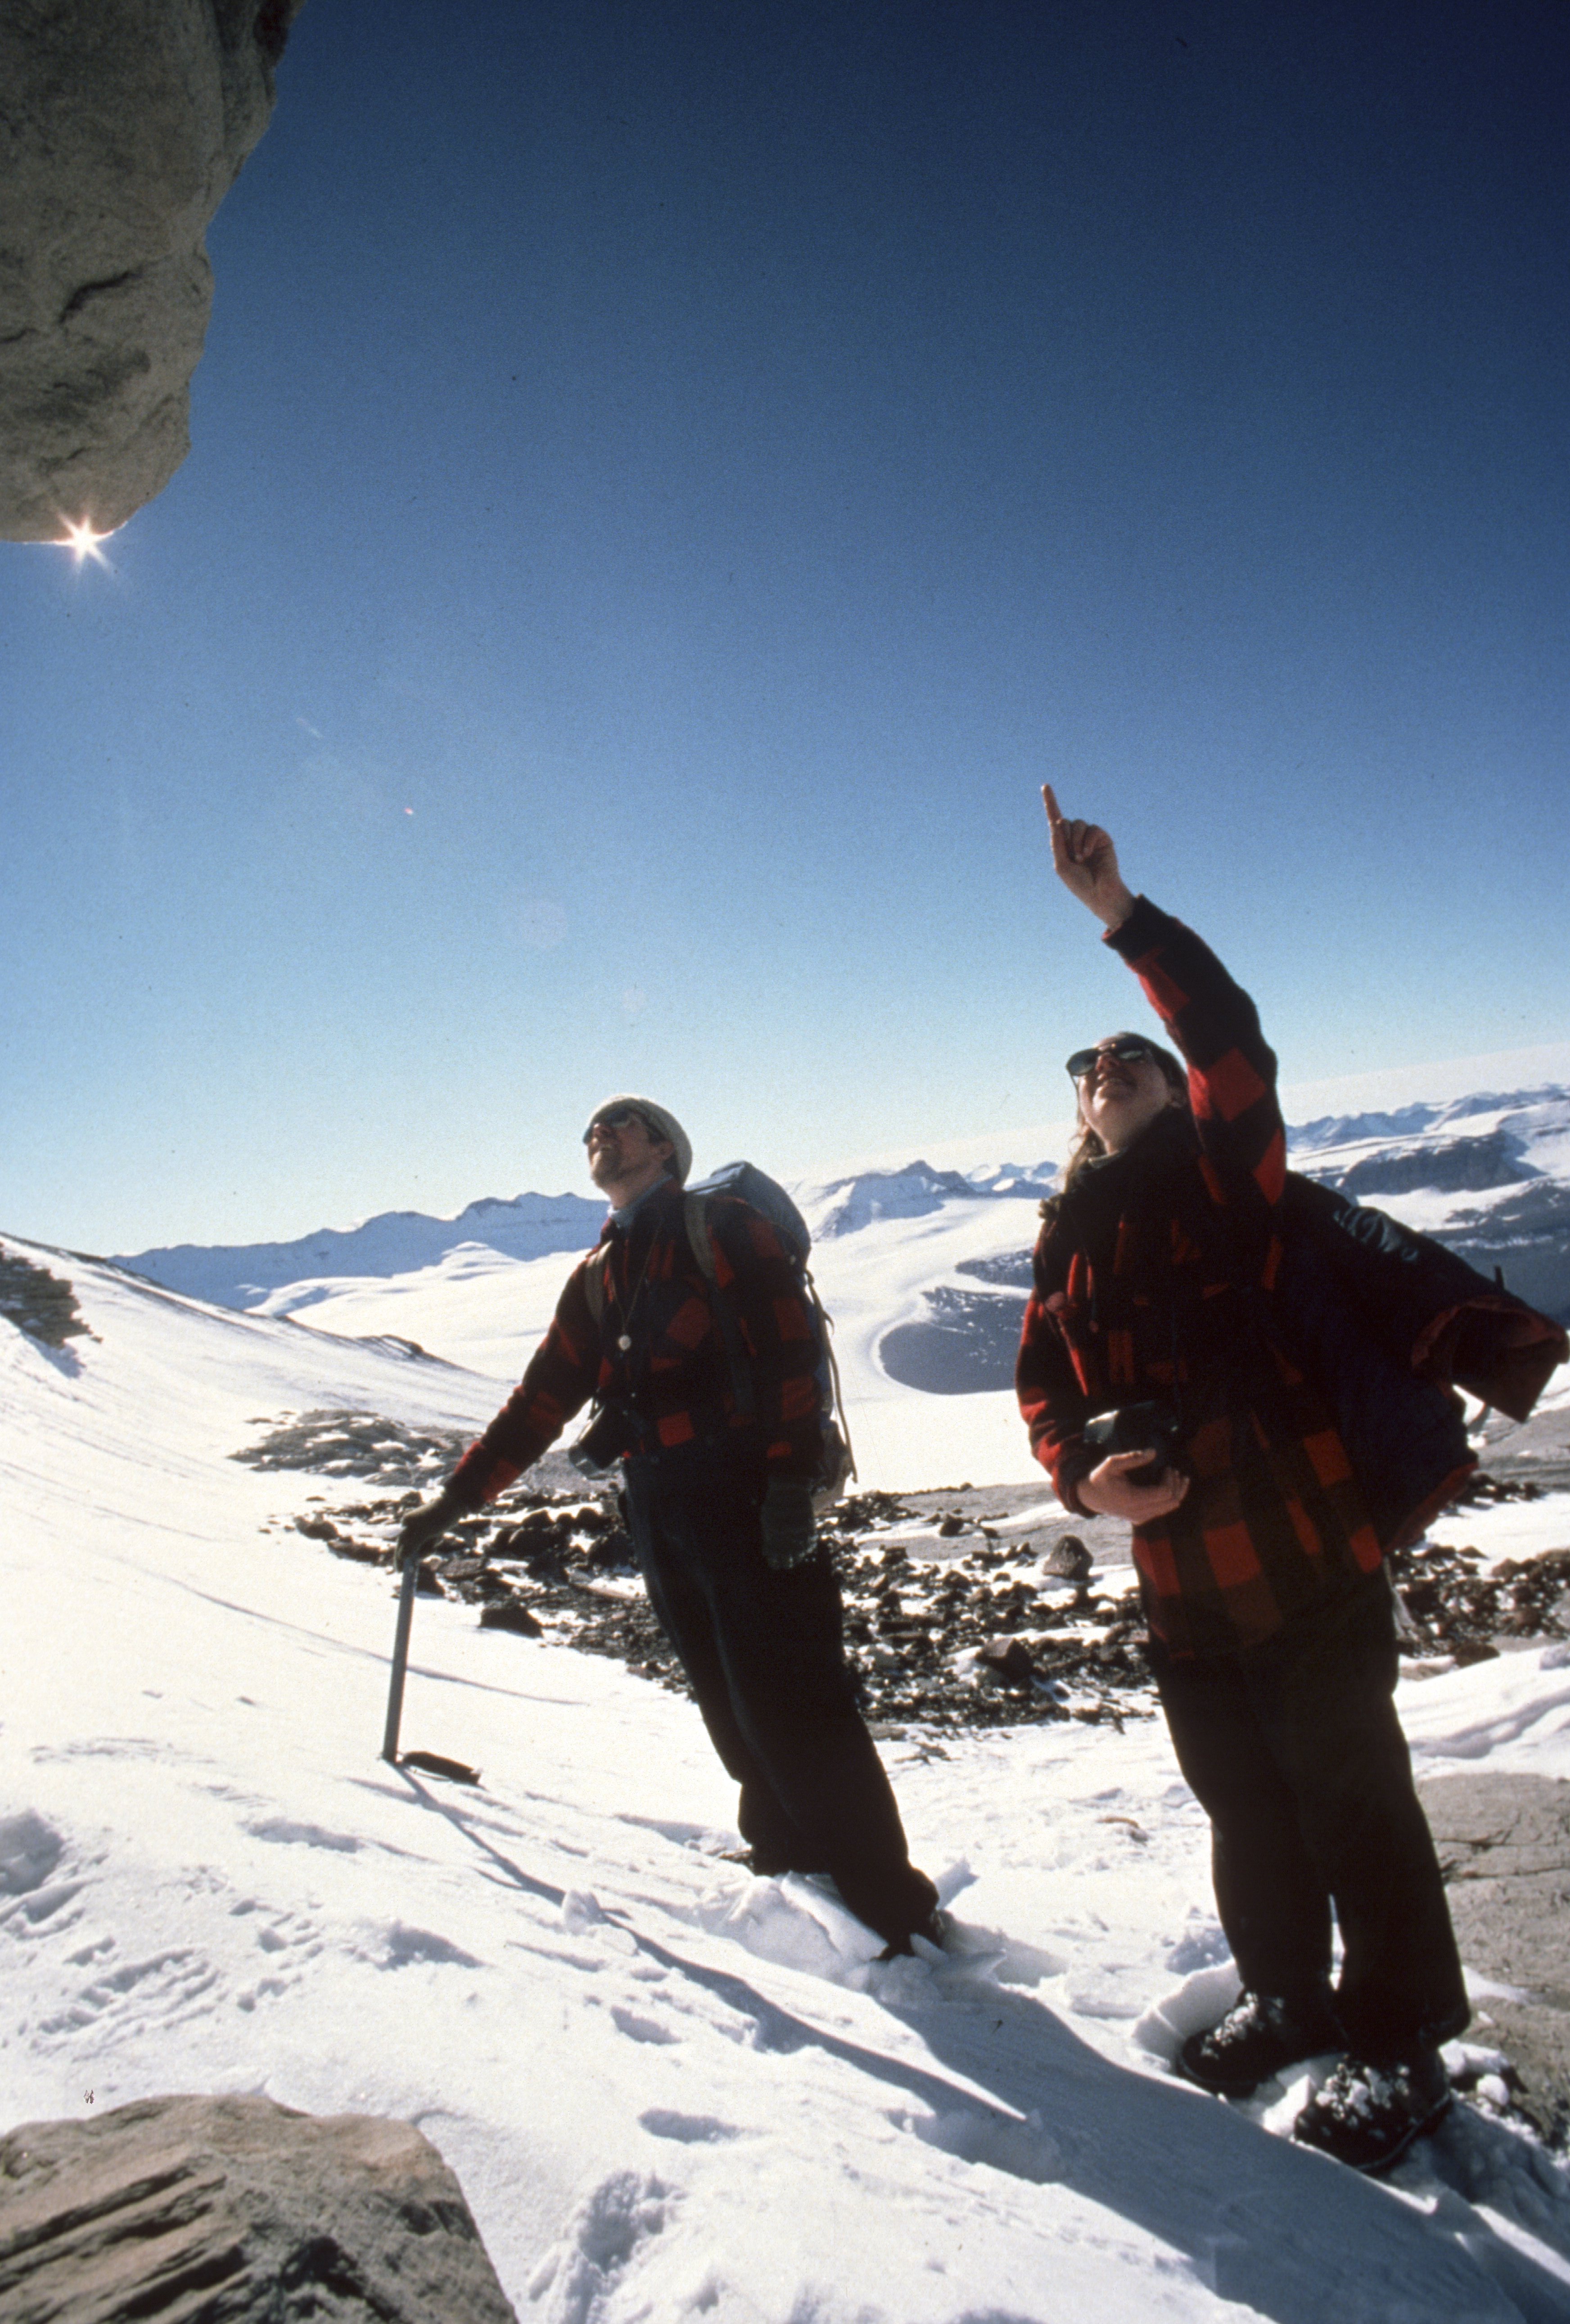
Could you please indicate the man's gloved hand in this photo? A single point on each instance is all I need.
(790, 1532)
(423, 1526)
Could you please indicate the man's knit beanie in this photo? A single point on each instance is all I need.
(660, 1121)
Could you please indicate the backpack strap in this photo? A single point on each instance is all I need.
(595, 1286)
(837, 1394)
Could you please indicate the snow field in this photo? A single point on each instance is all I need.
(669, 2089)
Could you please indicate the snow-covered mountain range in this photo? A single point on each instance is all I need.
(925, 1270)
(530, 1226)
(1487, 1173)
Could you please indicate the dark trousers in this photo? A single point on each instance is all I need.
(1297, 1757)
(765, 1655)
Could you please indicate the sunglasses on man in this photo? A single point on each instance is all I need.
(1128, 1048)
(618, 1122)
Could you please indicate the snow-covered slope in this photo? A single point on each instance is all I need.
(670, 2090)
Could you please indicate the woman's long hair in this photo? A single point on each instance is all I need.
(1087, 1147)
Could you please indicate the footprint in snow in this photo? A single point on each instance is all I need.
(686, 2129)
(572, 2283)
(289, 1942)
(287, 1832)
(169, 1987)
(639, 2028)
(404, 1945)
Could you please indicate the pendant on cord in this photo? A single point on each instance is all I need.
(624, 1344)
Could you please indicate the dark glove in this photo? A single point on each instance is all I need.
(790, 1533)
(423, 1526)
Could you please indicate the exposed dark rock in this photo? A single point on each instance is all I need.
(511, 1616)
(965, 1344)
(237, 2208)
(125, 124)
(1461, 1165)
(40, 1303)
(1011, 1267)
(331, 1443)
(918, 1628)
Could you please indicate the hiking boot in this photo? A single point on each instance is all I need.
(1368, 2116)
(1259, 2036)
(931, 1931)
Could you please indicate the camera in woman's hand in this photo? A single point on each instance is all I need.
(1150, 1427)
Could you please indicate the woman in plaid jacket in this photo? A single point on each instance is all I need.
(1157, 1284)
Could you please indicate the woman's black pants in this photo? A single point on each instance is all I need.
(1297, 1757)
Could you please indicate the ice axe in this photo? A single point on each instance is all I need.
(431, 1762)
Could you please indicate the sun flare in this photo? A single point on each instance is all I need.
(83, 541)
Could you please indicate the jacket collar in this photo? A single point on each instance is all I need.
(624, 1220)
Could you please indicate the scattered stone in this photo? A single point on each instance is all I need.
(1010, 1660)
(359, 1444)
(1068, 1558)
(1459, 1611)
(511, 1616)
(917, 1629)
(239, 2209)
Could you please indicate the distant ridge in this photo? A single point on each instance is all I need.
(394, 1243)
(1489, 1174)
(842, 1206)
(1425, 1120)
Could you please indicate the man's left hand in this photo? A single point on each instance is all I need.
(790, 1530)
(423, 1526)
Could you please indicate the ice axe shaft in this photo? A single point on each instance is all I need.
(457, 1771)
(400, 1659)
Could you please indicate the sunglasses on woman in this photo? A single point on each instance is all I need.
(1128, 1047)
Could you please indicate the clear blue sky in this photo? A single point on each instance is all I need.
(670, 481)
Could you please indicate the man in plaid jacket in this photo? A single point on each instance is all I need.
(719, 1504)
(1158, 1283)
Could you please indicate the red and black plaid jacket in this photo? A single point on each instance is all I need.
(1149, 1283)
(675, 1381)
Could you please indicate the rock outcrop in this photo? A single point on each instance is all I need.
(123, 125)
(209, 2209)
(1504, 1843)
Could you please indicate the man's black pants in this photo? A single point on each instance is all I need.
(764, 1653)
(1297, 1757)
